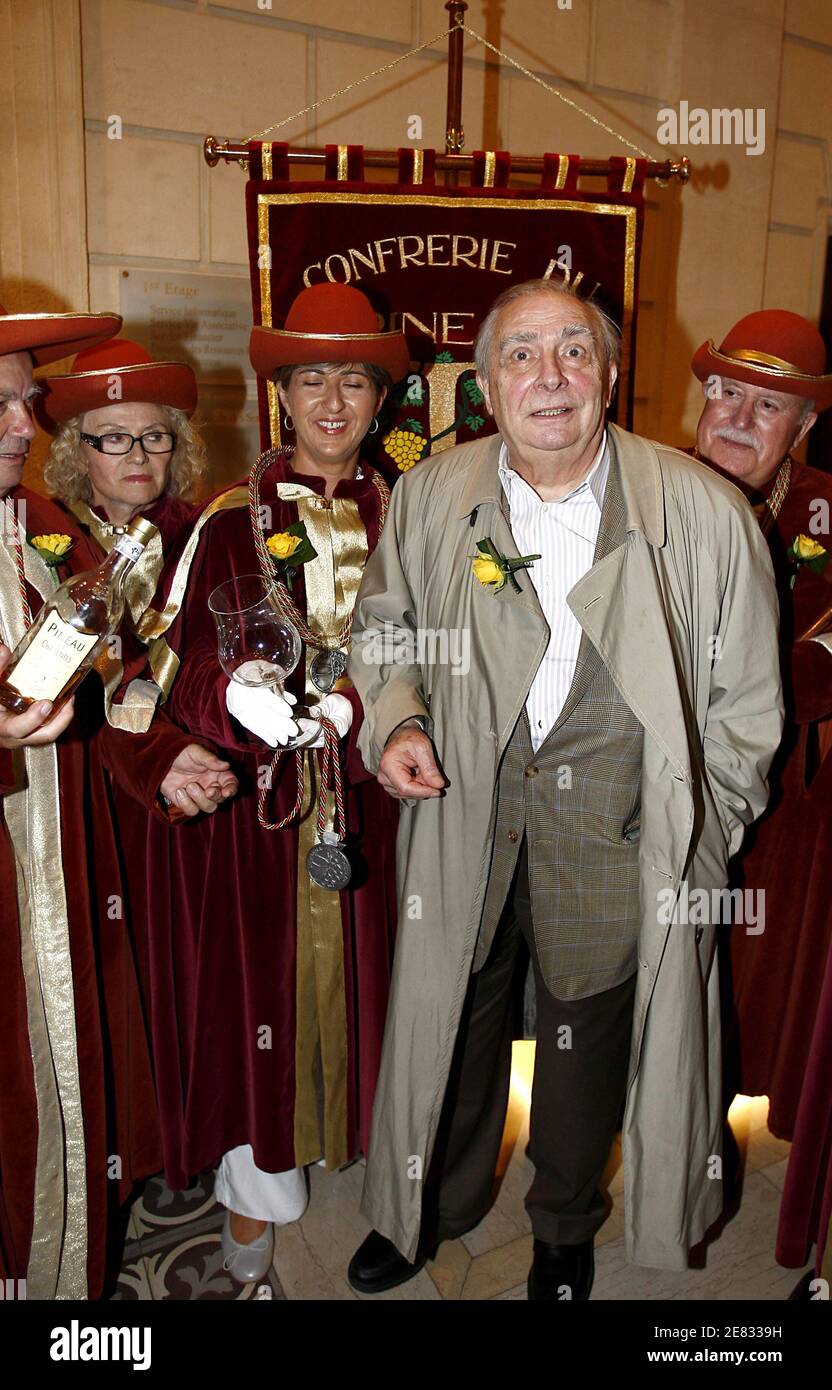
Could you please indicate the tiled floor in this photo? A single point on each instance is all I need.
(173, 1246)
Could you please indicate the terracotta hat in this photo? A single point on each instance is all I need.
(89, 385)
(775, 348)
(50, 336)
(328, 323)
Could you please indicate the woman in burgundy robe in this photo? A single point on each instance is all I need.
(111, 461)
(268, 993)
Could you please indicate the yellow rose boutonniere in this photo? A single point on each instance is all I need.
(290, 549)
(281, 545)
(487, 571)
(53, 547)
(804, 551)
(494, 570)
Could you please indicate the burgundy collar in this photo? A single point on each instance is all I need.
(147, 512)
(281, 471)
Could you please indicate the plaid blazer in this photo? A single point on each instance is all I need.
(578, 799)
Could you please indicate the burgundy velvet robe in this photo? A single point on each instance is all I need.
(806, 1206)
(174, 519)
(223, 892)
(118, 1105)
(777, 976)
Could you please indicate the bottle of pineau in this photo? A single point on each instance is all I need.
(71, 628)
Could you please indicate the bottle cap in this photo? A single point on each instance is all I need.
(141, 530)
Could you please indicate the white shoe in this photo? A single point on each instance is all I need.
(245, 1263)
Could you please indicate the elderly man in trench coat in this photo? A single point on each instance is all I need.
(577, 749)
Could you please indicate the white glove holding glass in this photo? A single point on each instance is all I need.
(268, 715)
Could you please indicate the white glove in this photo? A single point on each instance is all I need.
(262, 711)
(334, 707)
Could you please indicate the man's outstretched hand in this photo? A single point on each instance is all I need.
(198, 780)
(408, 767)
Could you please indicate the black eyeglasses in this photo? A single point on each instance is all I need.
(153, 442)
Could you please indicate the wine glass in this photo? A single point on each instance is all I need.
(257, 645)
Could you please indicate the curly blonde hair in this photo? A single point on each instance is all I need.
(65, 472)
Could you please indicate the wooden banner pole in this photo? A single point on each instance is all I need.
(232, 151)
(453, 162)
(454, 133)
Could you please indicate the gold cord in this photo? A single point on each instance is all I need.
(342, 91)
(554, 91)
(387, 67)
(778, 495)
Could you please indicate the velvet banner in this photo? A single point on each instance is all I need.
(432, 260)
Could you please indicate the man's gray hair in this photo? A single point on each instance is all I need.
(604, 329)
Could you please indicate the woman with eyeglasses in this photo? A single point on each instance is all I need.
(124, 445)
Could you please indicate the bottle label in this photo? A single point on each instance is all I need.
(126, 545)
(51, 659)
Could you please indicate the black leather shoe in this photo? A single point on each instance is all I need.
(377, 1265)
(560, 1272)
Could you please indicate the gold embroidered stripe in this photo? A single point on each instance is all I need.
(57, 1266)
(331, 582)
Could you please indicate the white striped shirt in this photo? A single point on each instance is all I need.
(564, 533)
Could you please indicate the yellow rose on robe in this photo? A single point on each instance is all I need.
(54, 542)
(807, 549)
(281, 545)
(487, 571)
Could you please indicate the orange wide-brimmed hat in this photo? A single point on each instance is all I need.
(774, 348)
(90, 383)
(328, 323)
(50, 336)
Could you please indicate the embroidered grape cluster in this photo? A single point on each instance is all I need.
(405, 447)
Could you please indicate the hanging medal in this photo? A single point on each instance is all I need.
(327, 862)
(327, 665)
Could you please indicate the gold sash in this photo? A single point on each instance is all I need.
(331, 581)
(136, 710)
(58, 1259)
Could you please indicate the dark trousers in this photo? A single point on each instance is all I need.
(577, 1093)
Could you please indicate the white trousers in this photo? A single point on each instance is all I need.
(249, 1191)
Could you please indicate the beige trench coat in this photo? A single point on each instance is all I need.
(684, 614)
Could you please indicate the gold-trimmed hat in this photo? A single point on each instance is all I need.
(328, 323)
(774, 348)
(51, 336)
(88, 386)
